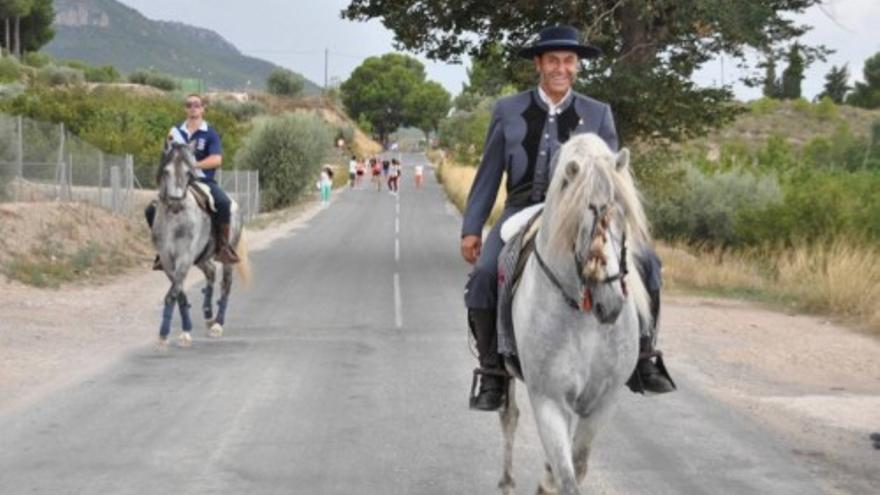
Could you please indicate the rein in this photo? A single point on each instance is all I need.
(586, 303)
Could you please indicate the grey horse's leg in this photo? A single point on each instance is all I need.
(183, 304)
(168, 309)
(225, 287)
(509, 419)
(209, 269)
(554, 430)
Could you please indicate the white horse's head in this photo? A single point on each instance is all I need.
(593, 213)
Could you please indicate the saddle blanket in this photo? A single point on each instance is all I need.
(519, 233)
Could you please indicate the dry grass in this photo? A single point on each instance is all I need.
(840, 278)
(457, 180)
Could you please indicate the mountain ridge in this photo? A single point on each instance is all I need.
(103, 32)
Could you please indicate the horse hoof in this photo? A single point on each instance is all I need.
(161, 345)
(185, 340)
(216, 330)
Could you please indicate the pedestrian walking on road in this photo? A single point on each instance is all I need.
(419, 173)
(325, 184)
(352, 171)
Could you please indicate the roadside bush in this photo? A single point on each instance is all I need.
(10, 70)
(464, 132)
(154, 79)
(119, 121)
(283, 82)
(764, 106)
(706, 208)
(825, 109)
(54, 75)
(288, 151)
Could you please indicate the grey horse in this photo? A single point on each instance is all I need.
(181, 233)
(577, 310)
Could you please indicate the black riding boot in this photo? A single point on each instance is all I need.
(493, 380)
(150, 215)
(650, 374)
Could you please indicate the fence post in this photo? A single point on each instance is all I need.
(257, 208)
(19, 156)
(100, 178)
(114, 188)
(69, 176)
(249, 195)
(61, 168)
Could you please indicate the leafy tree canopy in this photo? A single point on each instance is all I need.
(651, 47)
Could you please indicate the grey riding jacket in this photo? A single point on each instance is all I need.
(523, 136)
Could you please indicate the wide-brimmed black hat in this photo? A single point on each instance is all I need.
(560, 38)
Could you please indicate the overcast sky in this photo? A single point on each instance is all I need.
(295, 33)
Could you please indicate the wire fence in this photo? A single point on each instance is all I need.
(41, 161)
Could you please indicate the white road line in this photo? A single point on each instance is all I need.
(398, 309)
(397, 225)
(396, 249)
(397, 206)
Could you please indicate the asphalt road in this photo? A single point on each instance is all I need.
(345, 370)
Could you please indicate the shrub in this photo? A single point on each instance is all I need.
(241, 110)
(53, 75)
(705, 208)
(102, 74)
(10, 70)
(288, 151)
(826, 109)
(764, 106)
(154, 79)
(284, 83)
(803, 106)
(36, 59)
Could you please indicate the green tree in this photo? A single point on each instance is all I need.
(771, 87)
(867, 94)
(793, 75)
(285, 83)
(652, 47)
(836, 84)
(377, 89)
(426, 105)
(26, 25)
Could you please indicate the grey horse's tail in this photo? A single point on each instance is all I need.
(243, 267)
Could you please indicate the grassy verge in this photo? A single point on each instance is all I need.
(840, 278)
(50, 266)
(457, 179)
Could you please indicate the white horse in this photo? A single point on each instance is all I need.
(577, 309)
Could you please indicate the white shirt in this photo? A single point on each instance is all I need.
(352, 166)
(555, 108)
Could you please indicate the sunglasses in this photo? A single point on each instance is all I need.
(193, 104)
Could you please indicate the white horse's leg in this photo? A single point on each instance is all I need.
(547, 486)
(554, 430)
(583, 439)
(509, 419)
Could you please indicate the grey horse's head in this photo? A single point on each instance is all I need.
(594, 215)
(175, 172)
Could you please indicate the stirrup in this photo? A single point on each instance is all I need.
(478, 372)
(635, 381)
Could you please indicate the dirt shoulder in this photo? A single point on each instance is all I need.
(814, 382)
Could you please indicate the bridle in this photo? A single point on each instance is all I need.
(175, 203)
(593, 262)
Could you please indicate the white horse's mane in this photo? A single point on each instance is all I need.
(587, 171)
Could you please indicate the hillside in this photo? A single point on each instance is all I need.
(104, 32)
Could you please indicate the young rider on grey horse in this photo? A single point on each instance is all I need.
(525, 131)
(209, 157)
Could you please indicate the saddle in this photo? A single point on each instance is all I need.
(202, 194)
(519, 233)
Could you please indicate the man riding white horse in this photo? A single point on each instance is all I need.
(525, 131)
(208, 152)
